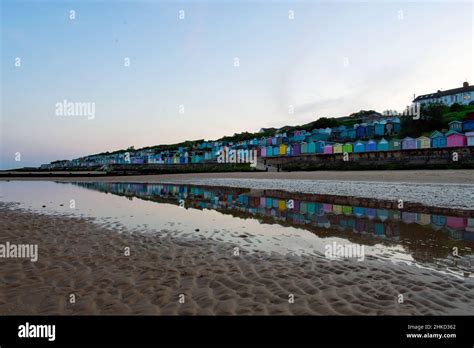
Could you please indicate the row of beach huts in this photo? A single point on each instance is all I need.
(378, 135)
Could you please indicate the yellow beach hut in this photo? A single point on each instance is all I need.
(283, 150)
(423, 142)
(337, 148)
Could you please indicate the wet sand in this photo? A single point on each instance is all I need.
(77, 256)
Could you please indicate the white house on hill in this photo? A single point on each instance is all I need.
(462, 95)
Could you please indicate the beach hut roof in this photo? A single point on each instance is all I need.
(436, 134)
(423, 137)
(469, 134)
(454, 122)
(371, 141)
(451, 132)
(383, 141)
(408, 138)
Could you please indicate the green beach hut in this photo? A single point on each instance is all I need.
(395, 145)
(347, 147)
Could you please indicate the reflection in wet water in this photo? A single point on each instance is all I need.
(428, 238)
(264, 221)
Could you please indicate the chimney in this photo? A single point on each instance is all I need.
(465, 84)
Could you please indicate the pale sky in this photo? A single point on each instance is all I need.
(331, 59)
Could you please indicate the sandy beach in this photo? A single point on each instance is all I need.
(459, 176)
(78, 256)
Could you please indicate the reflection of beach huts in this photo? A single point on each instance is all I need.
(371, 213)
(408, 144)
(337, 148)
(423, 219)
(379, 229)
(456, 222)
(408, 217)
(358, 211)
(336, 209)
(438, 220)
(455, 139)
(438, 140)
(423, 142)
(347, 209)
(382, 145)
(382, 214)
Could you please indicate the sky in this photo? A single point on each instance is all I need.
(161, 72)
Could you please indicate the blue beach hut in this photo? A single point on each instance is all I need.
(371, 146)
(359, 146)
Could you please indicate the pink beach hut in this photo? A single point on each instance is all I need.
(263, 152)
(327, 149)
(455, 139)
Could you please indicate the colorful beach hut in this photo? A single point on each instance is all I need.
(311, 147)
(263, 152)
(468, 125)
(282, 149)
(379, 129)
(360, 131)
(347, 147)
(470, 138)
(304, 147)
(394, 145)
(423, 142)
(371, 146)
(319, 146)
(455, 139)
(359, 147)
(351, 134)
(455, 125)
(337, 148)
(408, 143)
(328, 149)
(382, 145)
(276, 150)
(370, 131)
(438, 140)
(296, 149)
(269, 151)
